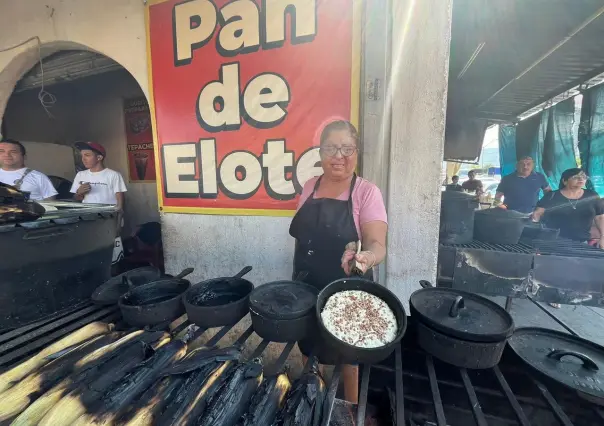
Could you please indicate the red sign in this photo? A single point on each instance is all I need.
(139, 140)
(242, 90)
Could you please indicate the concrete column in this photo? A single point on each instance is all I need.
(421, 36)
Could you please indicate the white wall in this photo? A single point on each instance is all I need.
(50, 158)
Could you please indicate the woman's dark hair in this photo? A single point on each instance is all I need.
(17, 143)
(341, 125)
(567, 174)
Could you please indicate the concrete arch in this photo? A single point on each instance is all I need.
(29, 57)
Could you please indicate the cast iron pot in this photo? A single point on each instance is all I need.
(155, 302)
(110, 291)
(283, 311)
(499, 226)
(460, 328)
(219, 301)
(350, 354)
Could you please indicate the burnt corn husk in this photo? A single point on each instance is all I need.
(121, 395)
(201, 357)
(267, 401)
(147, 410)
(304, 404)
(83, 398)
(84, 369)
(200, 386)
(13, 375)
(17, 398)
(233, 398)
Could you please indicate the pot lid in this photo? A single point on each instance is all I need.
(503, 213)
(569, 360)
(461, 314)
(283, 299)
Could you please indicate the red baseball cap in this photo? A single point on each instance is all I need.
(93, 146)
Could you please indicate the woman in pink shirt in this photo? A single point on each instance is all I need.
(335, 209)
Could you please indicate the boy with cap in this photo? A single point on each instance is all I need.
(97, 184)
(100, 185)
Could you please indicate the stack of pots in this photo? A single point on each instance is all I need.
(457, 211)
(460, 328)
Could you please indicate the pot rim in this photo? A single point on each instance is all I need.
(205, 283)
(362, 351)
(142, 287)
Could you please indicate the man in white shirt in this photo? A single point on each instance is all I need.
(13, 172)
(98, 184)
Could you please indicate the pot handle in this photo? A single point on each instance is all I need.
(184, 273)
(127, 282)
(243, 272)
(457, 304)
(588, 363)
(301, 275)
(425, 284)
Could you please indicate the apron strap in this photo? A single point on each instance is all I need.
(19, 181)
(352, 183)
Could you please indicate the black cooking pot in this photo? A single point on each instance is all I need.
(537, 231)
(350, 354)
(219, 301)
(155, 302)
(283, 311)
(576, 363)
(109, 292)
(499, 226)
(460, 328)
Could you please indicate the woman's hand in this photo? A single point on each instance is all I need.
(365, 261)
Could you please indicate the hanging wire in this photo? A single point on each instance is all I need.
(47, 100)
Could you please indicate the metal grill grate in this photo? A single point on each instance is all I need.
(434, 393)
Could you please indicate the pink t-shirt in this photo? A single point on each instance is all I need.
(367, 202)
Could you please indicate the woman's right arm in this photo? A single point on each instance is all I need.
(537, 214)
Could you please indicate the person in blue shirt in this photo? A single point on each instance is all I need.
(520, 190)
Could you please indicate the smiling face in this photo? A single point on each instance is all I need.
(339, 154)
(11, 157)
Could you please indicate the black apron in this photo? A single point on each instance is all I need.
(322, 228)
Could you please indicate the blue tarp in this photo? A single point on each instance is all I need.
(591, 137)
(546, 137)
(558, 152)
(507, 149)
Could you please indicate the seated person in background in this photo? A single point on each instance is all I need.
(454, 185)
(572, 209)
(13, 172)
(472, 184)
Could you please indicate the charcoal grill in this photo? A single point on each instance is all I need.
(558, 271)
(433, 393)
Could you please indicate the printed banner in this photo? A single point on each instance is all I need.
(242, 90)
(139, 140)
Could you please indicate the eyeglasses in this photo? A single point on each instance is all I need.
(332, 150)
(581, 176)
